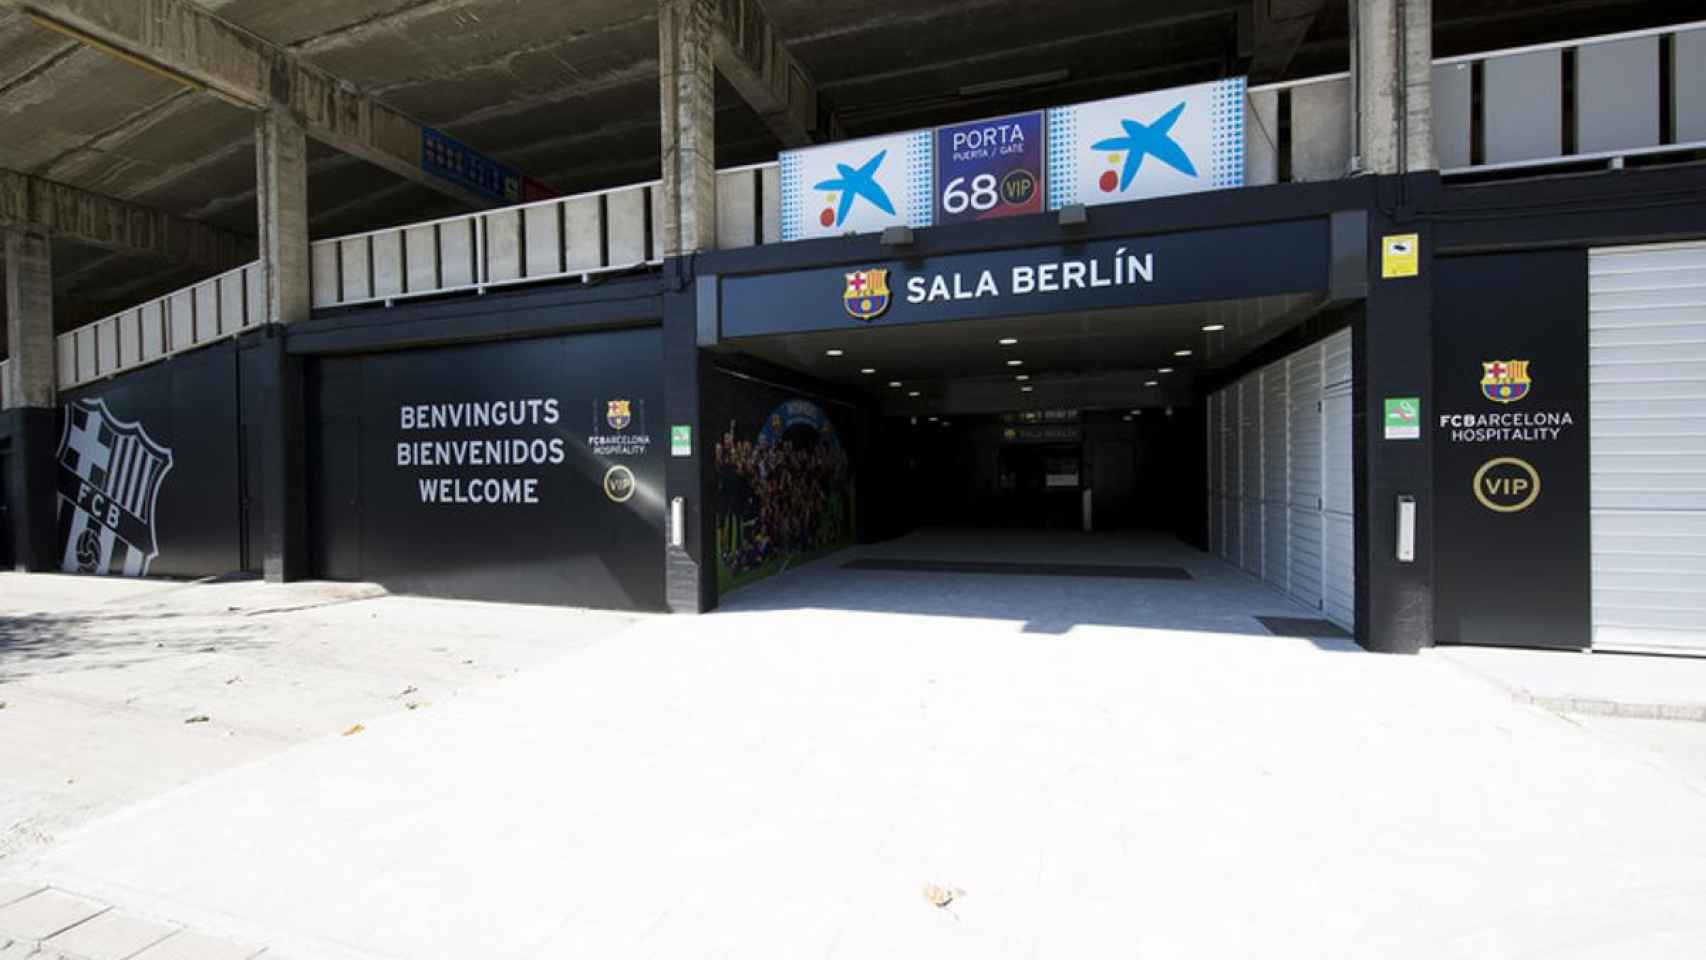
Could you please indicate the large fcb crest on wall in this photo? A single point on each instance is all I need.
(110, 472)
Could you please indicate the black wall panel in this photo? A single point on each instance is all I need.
(402, 470)
(1512, 569)
(188, 405)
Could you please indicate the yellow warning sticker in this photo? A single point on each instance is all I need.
(1400, 255)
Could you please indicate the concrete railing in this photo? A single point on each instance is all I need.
(5, 385)
(576, 236)
(202, 313)
(1506, 109)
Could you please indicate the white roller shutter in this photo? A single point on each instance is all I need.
(1282, 487)
(1275, 458)
(1250, 472)
(1339, 579)
(1307, 532)
(1647, 385)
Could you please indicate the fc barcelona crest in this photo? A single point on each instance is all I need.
(618, 413)
(1505, 381)
(867, 294)
(110, 472)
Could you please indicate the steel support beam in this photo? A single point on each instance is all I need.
(777, 86)
(67, 213)
(181, 40)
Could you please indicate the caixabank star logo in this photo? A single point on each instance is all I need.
(867, 294)
(1505, 381)
(110, 472)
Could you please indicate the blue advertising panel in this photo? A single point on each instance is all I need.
(990, 168)
(461, 164)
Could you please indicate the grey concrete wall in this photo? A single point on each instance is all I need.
(1617, 95)
(1321, 130)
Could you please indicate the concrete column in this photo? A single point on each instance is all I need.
(33, 378)
(281, 197)
(687, 90)
(1392, 70)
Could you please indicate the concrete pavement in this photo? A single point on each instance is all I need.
(101, 678)
(811, 773)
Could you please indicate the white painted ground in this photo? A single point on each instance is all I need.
(787, 779)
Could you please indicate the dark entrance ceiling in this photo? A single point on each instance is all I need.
(566, 90)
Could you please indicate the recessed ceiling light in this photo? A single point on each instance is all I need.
(1126, 418)
(1213, 327)
(867, 369)
(1008, 341)
(1024, 389)
(1181, 353)
(912, 393)
(1022, 377)
(832, 352)
(931, 419)
(1165, 370)
(894, 383)
(1136, 412)
(1015, 363)
(1151, 383)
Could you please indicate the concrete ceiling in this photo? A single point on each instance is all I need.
(566, 90)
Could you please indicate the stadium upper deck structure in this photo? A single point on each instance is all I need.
(1417, 254)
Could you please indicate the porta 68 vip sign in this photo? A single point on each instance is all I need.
(990, 168)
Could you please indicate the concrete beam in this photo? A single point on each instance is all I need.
(67, 213)
(181, 40)
(687, 98)
(281, 202)
(1392, 74)
(1280, 26)
(777, 86)
(32, 378)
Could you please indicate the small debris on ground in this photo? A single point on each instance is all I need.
(208, 650)
(412, 705)
(940, 896)
(411, 688)
(467, 663)
(199, 718)
(233, 679)
(352, 731)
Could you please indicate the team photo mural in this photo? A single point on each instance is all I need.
(784, 492)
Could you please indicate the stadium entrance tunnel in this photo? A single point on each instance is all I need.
(977, 467)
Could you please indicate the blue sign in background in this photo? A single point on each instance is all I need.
(459, 163)
(990, 168)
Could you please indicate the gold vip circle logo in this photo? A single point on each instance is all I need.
(619, 483)
(1507, 484)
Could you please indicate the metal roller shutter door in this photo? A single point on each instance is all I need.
(1275, 463)
(1281, 480)
(1339, 508)
(1307, 534)
(1250, 473)
(1647, 384)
